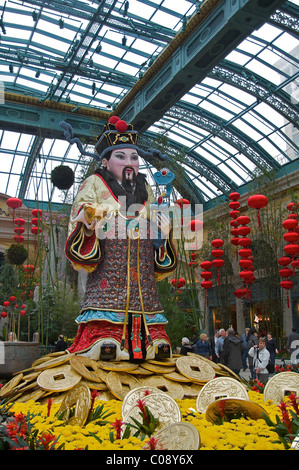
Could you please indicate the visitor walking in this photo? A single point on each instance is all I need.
(272, 347)
(252, 340)
(232, 351)
(213, 345)
(244, 348)
(260, 357)
(219, 344)
(203, 346)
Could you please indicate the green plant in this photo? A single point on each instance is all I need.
(286, 427)
(16, 254)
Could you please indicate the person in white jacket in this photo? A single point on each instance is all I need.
(261, 358)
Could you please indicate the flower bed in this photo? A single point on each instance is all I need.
(36, 426)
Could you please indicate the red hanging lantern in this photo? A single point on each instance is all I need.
(206, 285)
(206, 275)
(243, 220)
(3, 314)
(195, 225)
(295, 264)
(243, 231)
(14, 203)
(19, 230)
(18, 238)
(234, 205)
(182, 203)
(234, 196)
(292, 249)
(287, 284)
(217, 253)
(35, 231)
(19, 221)
(178, 283)
(290, 206)
(246, 274)
(193, 264)
(285, 272)
(218, 263)
(241, 292)
(217, 243)
(23, 313)
(284, 261)
(37, 213)
(258, 201)
(35, 221)
(245, 263)
(6, 303)
(234, 214)
(289, 224)
(234, 223)
(244, 241)
(245, 252)
(291, 236)
(234, 232)
(12, 298)
(206, 265)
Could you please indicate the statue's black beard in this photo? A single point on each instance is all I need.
(139, 194)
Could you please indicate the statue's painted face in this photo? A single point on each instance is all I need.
(123, 159)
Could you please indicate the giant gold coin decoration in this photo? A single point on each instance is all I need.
(161, 405)
(279, 385)
(132, 398)
(220, 387)
(234, 407)
(9, 386)
(54, 362)
(178, 436)
(86, 367)
(170, 387)
(79, 396)
(58, 379)
(195, 369)
(120, 383)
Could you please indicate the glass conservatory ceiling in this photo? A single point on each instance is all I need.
(241, 119)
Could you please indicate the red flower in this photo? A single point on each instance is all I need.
(295, 402)
(153, 444)
(142, 407)
(47, 441)
(118, 427)
(285, 416)
(17, 427)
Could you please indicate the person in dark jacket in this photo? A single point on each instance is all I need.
(272, 347)
(186, 346)
(60, 345)
(203, 346)
(232, 351)
(252, 340)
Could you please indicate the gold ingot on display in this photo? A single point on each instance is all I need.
(178, 436)
(218, 388)
(280, 385)
(58, 379)
(79, 396)
(234, 407)
(120, 383)
(88, 368)
(195, 369)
